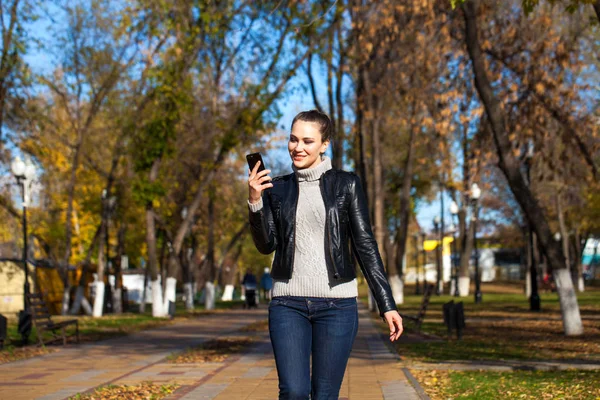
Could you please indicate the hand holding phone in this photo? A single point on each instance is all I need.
(258, 179)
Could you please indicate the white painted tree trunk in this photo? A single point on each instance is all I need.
(209, 296)
(79, 302)
(188, 292)
(169, 293)
(117, 303)
(580, 284)
(463, 286)
(568, 303)
(158, 309)
(227, 293)
(65, 302)
(397, 285)
(441, 287)
(98, 299)
(528, 283)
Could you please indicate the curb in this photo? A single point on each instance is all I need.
(415, 383)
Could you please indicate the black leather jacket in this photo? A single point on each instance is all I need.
(273, 229)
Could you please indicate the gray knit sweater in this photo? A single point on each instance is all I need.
(310, 277)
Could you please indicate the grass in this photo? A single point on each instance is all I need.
(503, 328)
(478, 385)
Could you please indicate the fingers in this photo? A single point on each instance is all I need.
(392, 329)
(255, 168)
(399, 329)
(395, 324)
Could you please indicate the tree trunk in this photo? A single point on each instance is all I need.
(118, 293)
(188, 293)
(510, 167)
(209, 295)
(100, 284)
(404, 213)
(69, 222)
(576, 246)
(80, 300)
(563, 231)
(338, 142)
(466, 240)
(144, 291)
(157, 304)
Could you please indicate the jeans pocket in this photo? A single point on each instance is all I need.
(277, 302)
(343, 303)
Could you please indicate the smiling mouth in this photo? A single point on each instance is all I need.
(298, 157)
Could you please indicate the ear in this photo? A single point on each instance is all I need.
(324, 147)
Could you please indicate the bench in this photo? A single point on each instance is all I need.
(40, 317)
(418, 319)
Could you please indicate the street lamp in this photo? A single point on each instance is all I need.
(475, 194)
(424, 260)
(436, 226)
(24, 173)
(534, 299)
(418, 286)
(454, 212)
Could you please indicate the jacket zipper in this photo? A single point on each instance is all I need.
(295, 211)
(336, 274)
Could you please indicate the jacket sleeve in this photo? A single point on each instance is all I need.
(262, 226)
(366, 250)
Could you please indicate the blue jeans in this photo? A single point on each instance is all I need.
(301, 326)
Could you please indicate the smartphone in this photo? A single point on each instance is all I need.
(253, 159)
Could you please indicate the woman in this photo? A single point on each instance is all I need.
(308, 218)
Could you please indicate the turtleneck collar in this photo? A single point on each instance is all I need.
(314, 173)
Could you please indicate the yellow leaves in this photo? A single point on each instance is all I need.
(144, 390)
(539, 88)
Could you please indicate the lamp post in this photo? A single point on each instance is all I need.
(424, 260)
(418, 286)
(436, 227)
(454, 212)
(24, 173)
(475, 194)
(534, 298)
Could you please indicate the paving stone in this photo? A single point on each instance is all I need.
(207, 391)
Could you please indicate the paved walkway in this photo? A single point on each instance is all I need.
(373, 371)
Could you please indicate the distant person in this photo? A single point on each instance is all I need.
(249, 284)
(266, 284)
(249, 279)
(308, 218)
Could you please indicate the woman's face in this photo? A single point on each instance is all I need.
(305, 145)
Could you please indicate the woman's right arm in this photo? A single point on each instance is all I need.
(261, 220)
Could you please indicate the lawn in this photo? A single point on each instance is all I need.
(478, 385)
(502, 328)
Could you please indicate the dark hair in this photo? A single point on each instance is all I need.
(316, 116)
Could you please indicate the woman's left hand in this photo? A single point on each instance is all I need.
(394, 321)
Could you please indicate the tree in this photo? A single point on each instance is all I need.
(511, 168)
